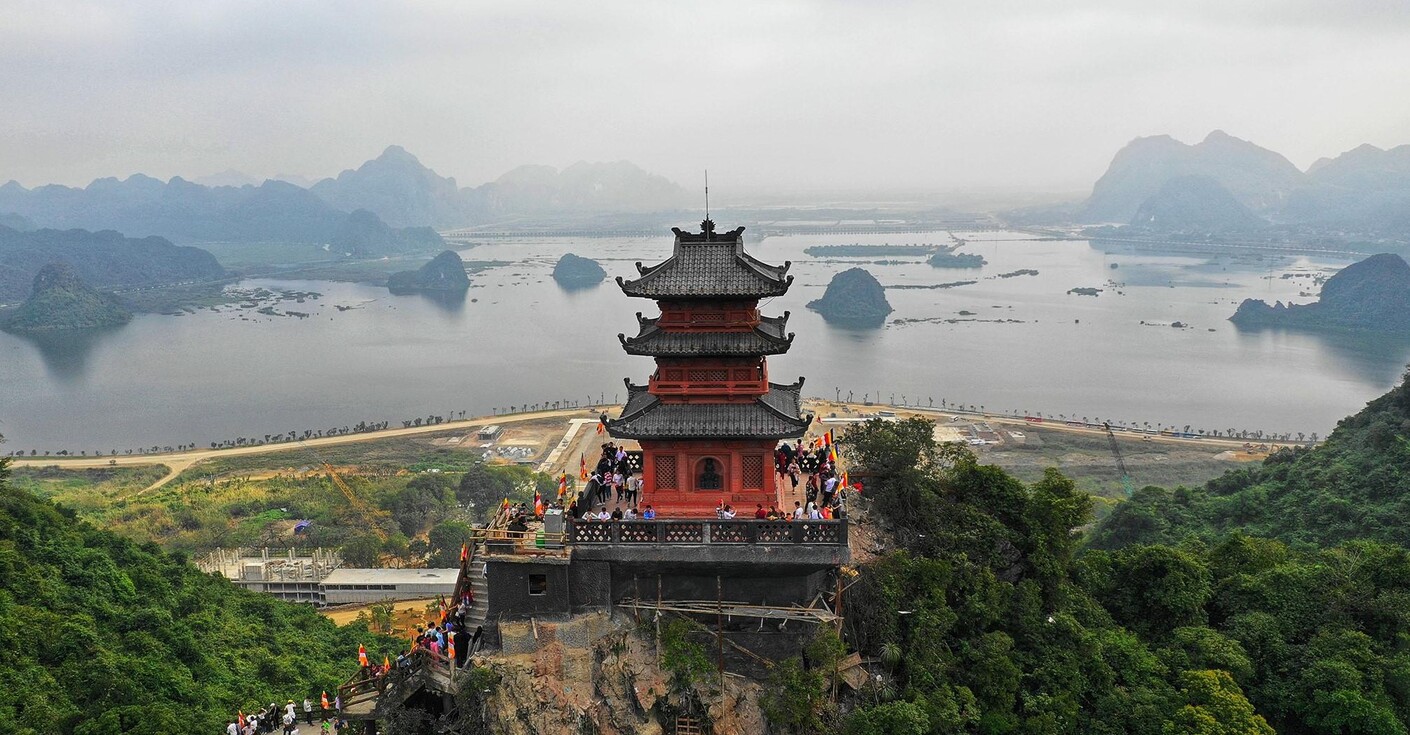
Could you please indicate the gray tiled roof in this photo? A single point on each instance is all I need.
(768, 338)
(709, 265)
(773, 416)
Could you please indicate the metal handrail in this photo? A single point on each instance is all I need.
(713, 531)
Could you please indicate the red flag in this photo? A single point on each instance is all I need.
(386, 663)
(601, 426)
(450, 650)
(361, 655)
(241, 719)
(325, 700)
(582, 468)
(464, 553)
(562, 485)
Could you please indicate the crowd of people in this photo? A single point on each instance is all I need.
(286, 719)
(613, 482)
(449, 637)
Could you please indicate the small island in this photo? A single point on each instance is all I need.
(853, 298)
(444, 274)
(62, 302)
(1084, 291)
(946, 257)
(575, 271)
(1371, 295)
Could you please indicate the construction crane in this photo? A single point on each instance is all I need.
(1120, 464)
(366, 510)
(357, 503)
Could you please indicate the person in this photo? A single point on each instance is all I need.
(289, 721)
(475, 639)
(631, 513)
(232, 728)
(649, 514)
(813, 514)
(308, 710)
(289, 709)
(826, 512)
(797, 511)
(759, 512)
(517, 525)
(829, 490)
(617, 513)
(462, 647)
(327, 727)
(773, 514)
(727, 513)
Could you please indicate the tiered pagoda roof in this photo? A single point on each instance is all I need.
(766, 338)
(709, 265)
(774, 415)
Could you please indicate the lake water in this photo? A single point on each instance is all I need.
(519, 338)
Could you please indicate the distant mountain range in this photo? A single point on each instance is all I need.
(1222, 181)
(104, 260)
(230, 207)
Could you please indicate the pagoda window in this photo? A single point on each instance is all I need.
(665, 472)
(752, 471)
(708, 474)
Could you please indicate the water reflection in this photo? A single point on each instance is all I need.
(65, 354)
(1376, 358)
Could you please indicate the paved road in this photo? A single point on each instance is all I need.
(179, 462)
(584, 441)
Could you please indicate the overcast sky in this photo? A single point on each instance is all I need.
(1029, 94)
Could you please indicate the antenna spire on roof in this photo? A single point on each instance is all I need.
(707, 193)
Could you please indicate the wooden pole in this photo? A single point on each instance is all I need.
(720, 627)
(837, 610)
(658, 621)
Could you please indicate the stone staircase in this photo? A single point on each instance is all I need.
(479, 612)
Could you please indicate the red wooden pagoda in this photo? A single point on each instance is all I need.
(708, 419)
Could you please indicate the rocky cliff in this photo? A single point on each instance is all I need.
(1372, 295)
(574, 270)
(445, 272)
(62, 302)
(364, 234)
(1194, 204)
(855, 298)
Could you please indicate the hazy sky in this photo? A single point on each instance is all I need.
(1032, 94)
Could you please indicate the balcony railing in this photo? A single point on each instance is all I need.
(711, 531)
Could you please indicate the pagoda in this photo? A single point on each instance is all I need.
(708, 419)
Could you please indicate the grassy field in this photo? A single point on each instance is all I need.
(256, 500)
(1087, 459)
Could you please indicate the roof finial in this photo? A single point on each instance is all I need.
(707, 227)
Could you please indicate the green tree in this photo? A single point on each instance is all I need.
(363, 550)
(891, 718)
(445, 540)
(424, 501)
(1214, 705)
